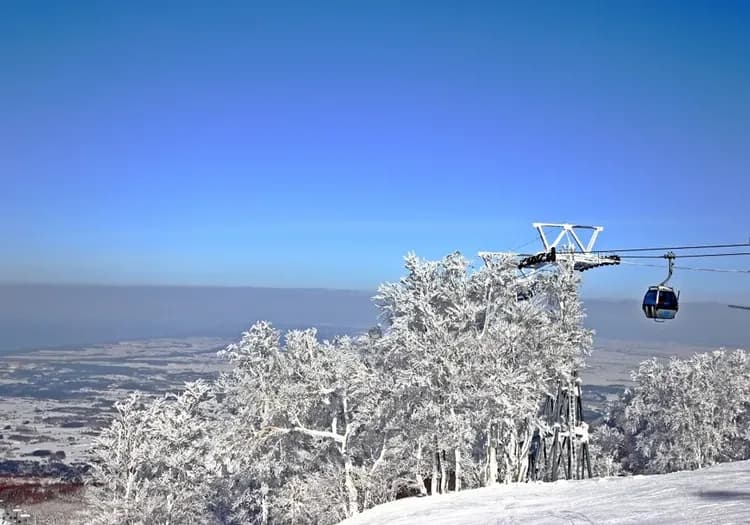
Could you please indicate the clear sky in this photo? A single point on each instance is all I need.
(315, 144)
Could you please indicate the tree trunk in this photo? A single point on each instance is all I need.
(509, 458)
(443, 473)
(351, 489)
(264, 504)
(555, 454)
(375, 465)
(492, 462)
(458, 470)
(435, 460)
(420, 481)
(493, 466)
(523, 458)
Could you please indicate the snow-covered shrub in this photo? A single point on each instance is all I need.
(605, 449)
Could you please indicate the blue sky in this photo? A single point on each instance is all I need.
(297, 145)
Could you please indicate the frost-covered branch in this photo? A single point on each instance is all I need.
(318, 434)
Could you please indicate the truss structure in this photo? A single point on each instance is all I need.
(564, 242)
(564, 437)
(567, 245)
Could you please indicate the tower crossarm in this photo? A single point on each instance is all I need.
(570, 233)
(567, 244)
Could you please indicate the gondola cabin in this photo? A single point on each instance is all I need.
(660, 303)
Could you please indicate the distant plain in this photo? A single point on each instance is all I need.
(69, 352)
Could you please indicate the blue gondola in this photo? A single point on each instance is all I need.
(661, 302)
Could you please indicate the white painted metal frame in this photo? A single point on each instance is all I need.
(568, 246)
(573, 249)
(568, 231)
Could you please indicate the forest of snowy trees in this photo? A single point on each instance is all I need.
(443, 397)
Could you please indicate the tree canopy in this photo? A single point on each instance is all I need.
(441, 395)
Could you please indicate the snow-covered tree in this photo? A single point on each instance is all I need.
(468, 361)
(154, 463)
(302, 430)
(685, 414)
(298, 410)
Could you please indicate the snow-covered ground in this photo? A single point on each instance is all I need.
(715, 495)
(57, 399)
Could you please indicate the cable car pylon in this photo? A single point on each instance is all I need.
(566, 244)
(573, 250)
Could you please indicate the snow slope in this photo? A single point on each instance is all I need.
(718, 495)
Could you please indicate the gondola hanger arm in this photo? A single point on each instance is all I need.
(670, 256)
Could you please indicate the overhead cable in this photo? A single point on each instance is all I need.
(690, 255)
(667, 248)
(718, 270)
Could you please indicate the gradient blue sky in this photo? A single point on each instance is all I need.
(314, 145)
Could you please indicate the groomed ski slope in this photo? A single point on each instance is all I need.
(716, 495)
